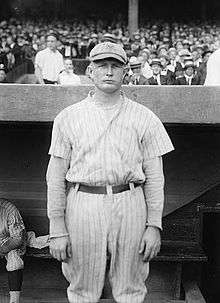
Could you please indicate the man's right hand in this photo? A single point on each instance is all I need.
(60, 248)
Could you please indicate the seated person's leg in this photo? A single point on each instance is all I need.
(15, 265)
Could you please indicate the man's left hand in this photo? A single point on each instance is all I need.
(150, 243)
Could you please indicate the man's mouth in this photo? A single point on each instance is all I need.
(108, 81)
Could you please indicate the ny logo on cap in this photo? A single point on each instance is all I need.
(110, 45)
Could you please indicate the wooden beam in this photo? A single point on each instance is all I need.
(132, 16)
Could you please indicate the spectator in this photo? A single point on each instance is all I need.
(189, 77)
(166, 69)
(146, 69)
(69, 48)
(93, 42)
(67, 77)
(83, 47)
(78, 37)
(109, 38)
(162, 50)
(157, 78)
(49, 62)
(172, 53)
(136, 77)
(202, 69)
(9, 58)
(28, 55)
(2, 74)
(183, 55)
(197, 57)
(16, 48)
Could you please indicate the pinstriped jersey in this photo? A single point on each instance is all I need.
(11, 224)
(104, 150)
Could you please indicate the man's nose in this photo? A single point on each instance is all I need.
(109, 70)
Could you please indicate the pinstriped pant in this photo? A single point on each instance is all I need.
(106, 224)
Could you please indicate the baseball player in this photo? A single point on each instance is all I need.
(109, 149)
(12, 246)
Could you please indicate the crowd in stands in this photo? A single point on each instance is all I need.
(159, 53)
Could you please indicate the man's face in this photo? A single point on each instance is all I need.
(162, 52)
(107, 74)
(51, 42)
(136, 71)
(156, 69)
(9, 40)
(68, 65)
(2, 75)
(163, 62)
(179, 46)
(206, 57)
(172, 54)
(189, 71)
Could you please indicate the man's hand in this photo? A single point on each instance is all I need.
(60, 248)
(150, 243)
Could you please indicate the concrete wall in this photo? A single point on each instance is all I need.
(173, 104)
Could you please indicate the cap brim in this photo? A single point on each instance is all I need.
(135, 66)
(187, 66)
(106, 55)
(158, 64)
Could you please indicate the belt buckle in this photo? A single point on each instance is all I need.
(131, 185)
(109, 190)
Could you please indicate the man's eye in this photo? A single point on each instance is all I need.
(117, 65)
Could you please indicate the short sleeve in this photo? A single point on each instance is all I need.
(156, 141)
(60, 143)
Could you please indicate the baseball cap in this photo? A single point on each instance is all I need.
(108, 50)
(184, 52)
(109, 37)
(134, 62)
(189, 64)
(156, 61)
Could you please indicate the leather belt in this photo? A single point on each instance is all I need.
(103, 189)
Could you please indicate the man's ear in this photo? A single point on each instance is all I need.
(89, 70)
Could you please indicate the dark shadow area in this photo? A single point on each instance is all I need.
(211, 242)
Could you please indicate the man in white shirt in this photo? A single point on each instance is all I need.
(213, 69)
(49, 62)
(67, 77)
